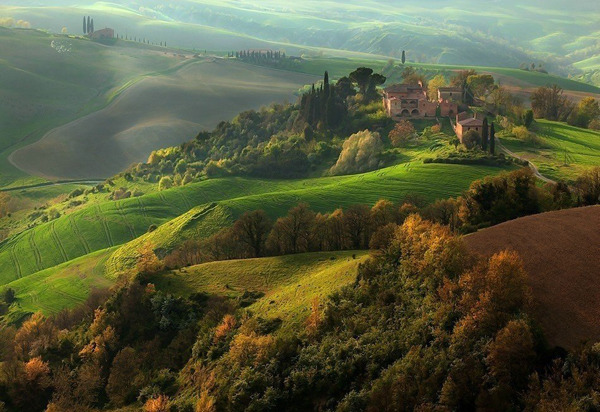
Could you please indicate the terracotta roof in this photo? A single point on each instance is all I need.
(471, 122)
(403, 88)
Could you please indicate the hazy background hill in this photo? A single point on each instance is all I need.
(491, 33)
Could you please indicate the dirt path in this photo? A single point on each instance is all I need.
(533, 167)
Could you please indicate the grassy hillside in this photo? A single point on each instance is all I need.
(559, 250)
(565, 151)
(108, 224)
(46, 81)
(461, 32)
(73, 78)
(289, 283)
(158, 111)
(63, 286)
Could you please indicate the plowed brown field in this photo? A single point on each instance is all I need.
(561, 252)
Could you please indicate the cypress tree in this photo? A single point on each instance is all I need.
(92, 30)
(84, 26)
(403, 56)
(326, 84)
(484, 134)
(493, 140)
(89, 24)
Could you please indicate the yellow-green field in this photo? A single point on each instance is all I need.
(289, 283)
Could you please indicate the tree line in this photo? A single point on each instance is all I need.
(550, 102)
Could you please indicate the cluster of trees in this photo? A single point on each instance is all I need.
(425, 326)
(549, 102)
(282, 140)
(490, 201)
(325, 108)
(257, 55)
(533, 67)
(88, 25)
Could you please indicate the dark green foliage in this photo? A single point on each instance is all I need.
(528, 118)
(493, 140)
(403, 56)
(485, 135)
(551, 103)
(84, 25)
(10, 296)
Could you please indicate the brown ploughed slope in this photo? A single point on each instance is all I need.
(561, 251)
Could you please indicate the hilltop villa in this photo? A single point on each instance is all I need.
(466, 122)
(103, 34)
(410, 100)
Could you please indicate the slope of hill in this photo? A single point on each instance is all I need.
(64, 286)
(288, 283)
(113, 223)
(564, 151)
(46, 81)
(156, 112)
(462, 32)
(560, 251)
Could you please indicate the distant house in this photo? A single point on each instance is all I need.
(410, 101)
(466, 122)
(454, 94)
(103, 34)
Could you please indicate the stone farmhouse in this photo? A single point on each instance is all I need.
(103, 34)
(410, 101)
(466, 122)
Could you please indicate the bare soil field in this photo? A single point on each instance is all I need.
(561, 252)
(158, 111)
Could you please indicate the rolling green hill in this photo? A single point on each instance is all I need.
(104, 100)
(462, 32)
(565, 151)
(48, 80)
(63, 286)
(109, 224)
(289, 283)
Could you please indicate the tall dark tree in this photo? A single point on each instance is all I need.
(361, 77)
(92, 29)
(89, 24)
(403, 56)
(326, 84)
(84, 25)
(493, 140)
(485, 134)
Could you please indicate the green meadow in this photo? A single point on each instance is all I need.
(112, 223)
(289, 283)
(564, 151)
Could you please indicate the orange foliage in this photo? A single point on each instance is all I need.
(36, 370)
(250, 349)
(35, 335)
(227, 325)
(206, 403)
(314, 319)
(159, 404)
(402, 132)
(148, 263)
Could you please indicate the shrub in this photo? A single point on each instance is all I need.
(471, 139)
(165, 183)
(402, 132)
(361, 152)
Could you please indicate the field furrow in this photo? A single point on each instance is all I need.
(102, 221)
(59, 245)
(35, 250)
(81, 238)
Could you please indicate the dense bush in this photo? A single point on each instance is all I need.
(361, 152)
